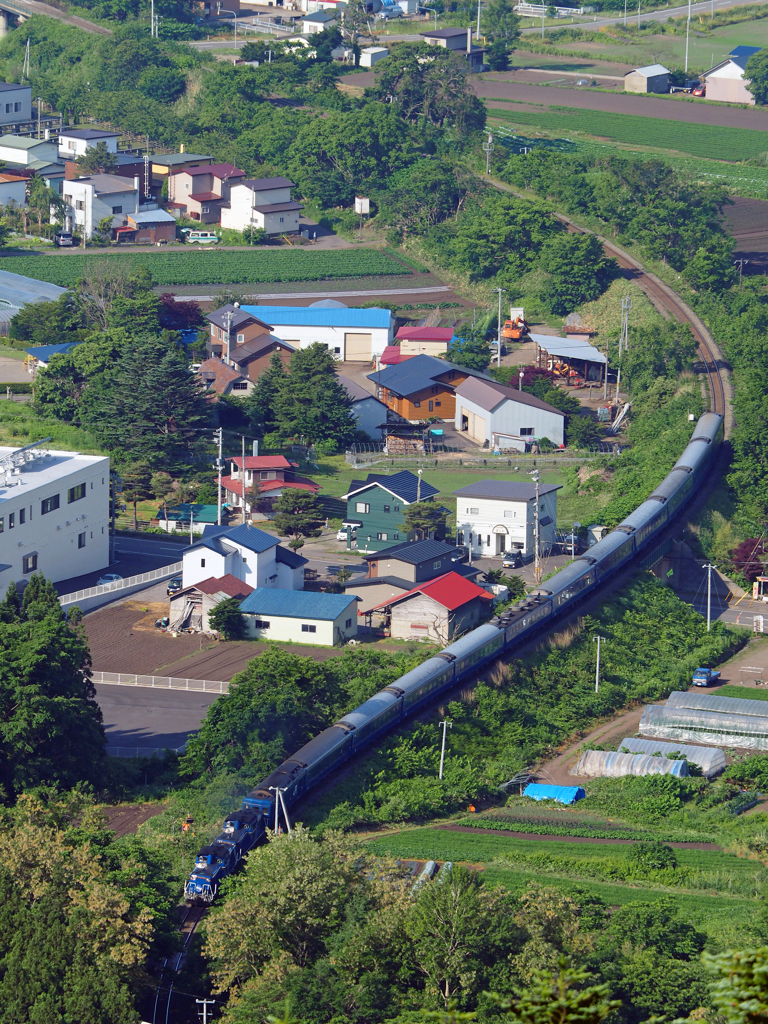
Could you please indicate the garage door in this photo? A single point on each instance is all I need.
(357, 347)
(477, 428)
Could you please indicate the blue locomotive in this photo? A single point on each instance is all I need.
(302, 770)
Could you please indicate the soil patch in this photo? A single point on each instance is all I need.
(125, 820)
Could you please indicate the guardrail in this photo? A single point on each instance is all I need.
(539, 10)
(145, 751)
(121, 586)
(160, 682)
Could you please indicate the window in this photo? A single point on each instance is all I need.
(473, 511)
(438, 404)
(382, 536)
(348, 623)
(240, 339)
(264, 474)
(510, 513)
(11, 520)
(431, 405)
(213, 331)
(81, 540)
(241, 385)
(206, 209)
(260, 624)
(305, 628)
(362, 506)
(8, 108)
(337, 351)
(49, 504)
(436, 565)
(395, 536)
(386, 508)
(417, 405)
(16, 108)
(488, 541)
(79, 204)
(22, 516)
(460, 537)
(29, 563)
(526, 431)
(75, 493)
(282, 220)
(2, 523)
(117, 209)
(202, 563)
(397, 508)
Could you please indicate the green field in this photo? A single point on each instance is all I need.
(216, 266)
(633, 129)
(744, 692)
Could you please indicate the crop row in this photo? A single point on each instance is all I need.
(582, 831)
(679, 136)
(216, 267)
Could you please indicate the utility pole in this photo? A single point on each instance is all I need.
(477, 34)
(219, 464)
(276, 791)
(687, 34)
(242, 472)
(709, 567)
(625, 13)
(488, 148)
(543, 17)
(626, 305)
(498, 329)
(204, 1012)
(742, 264)
(597, 669)
(152, 18)
(445, 725)
(285, 809)
(418, 485)
(537, 560)
(39, 107)
(605, 374)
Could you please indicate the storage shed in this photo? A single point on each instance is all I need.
(598, 764)
(300, 617)
(654, 78)
(563, 794)
(711, 760)
(371, 55)
(723, 721)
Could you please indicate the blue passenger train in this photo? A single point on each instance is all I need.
(304, 769)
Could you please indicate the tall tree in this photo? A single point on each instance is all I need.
(312, 401)
(297, 513)
(137, 486)
(227, 619)
(262, 400)
(97, 160)
(756, 76)
(428, 518)
(470, 349)
(500, 22)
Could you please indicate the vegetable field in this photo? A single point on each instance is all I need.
(677, 136)
(217, 267)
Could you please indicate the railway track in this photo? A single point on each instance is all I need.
(192, 916)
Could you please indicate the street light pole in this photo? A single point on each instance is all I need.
(536, 545)
(445, 726)
(709, 567)
(219, 463)
(597, 669)
(477, 34)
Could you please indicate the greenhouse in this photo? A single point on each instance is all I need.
(711, 760)
(610, 764)
(722, 721)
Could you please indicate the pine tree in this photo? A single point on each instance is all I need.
(40, 599)
(260, 404)
(10, 606)
(312, 401)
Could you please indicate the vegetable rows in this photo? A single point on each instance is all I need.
(216, 266)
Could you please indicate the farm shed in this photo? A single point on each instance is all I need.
(598, 764)
(711, 760)
(726, 83)
(724, 721)
(301, 617)
(568, 358)
(563, 794)
(653, 78)
(190, 607)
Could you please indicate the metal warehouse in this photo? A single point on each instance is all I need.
(711, 760)
(610, 764)
(727, 721)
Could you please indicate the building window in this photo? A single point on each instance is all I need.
(81, 540)
(202, 563)
(240, 339)
(431, 405)
(264, 474)
(395, 536)
(11, 520)
(16, 108)
(488, 541)
(305, 628)
(79, 204)
(386, 508)
(436, 565)
(206, 209)
(8, 108)
(213, 331)
(526, 431)
(510, 513)
(2, 523)
(75, 493)
(260, 624)
(460, 537)
(22, 516)
(282, 220)
(29, 564)
(117, 209)
(362, 507)
(473, 511)
(382, 536)
(348, 623)
(337, 351)
(49, 504)
(241, 385)
(397, 508)
(417, 405)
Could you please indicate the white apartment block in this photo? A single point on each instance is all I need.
(494, 516)
(54, 514)
(263, 203)
(91, 198)
(73, 142)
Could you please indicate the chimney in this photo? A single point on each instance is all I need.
(469, 39)
(181, 148)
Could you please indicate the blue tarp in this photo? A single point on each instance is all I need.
(563, 794)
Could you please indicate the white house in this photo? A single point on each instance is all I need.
(54, 514)
(370, 413)
(17, 149)
(725, 82)
(13, 190)
(15, 103)
(487, 411)
(494, 516)
(354, 335)
(249, 554)
(91, 198)
(316, 22)
(262, 203)
(73, 142)
(301, 618)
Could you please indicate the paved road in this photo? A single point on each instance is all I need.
(133, 556)
(325, 294)
(658, 15)
(141, 717)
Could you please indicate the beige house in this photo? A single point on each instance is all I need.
(430, 341)
(725, 82)
(440, 610)
(201, 192)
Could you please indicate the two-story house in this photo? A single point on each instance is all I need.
(375, 507)
(245, 552)
(244, 342)
(263, 203)
(15, 103)
(92, 198)
(494, 516)
(422, 387)
(201, 192)
(75, 142)
(397, 570)
(460, 41)
(270, 474)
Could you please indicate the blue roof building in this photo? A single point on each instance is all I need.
(42, 354)
(301, 617)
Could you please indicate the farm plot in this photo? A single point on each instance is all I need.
(677, 136)
(217, 267)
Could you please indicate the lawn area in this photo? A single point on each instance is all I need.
(20, 425)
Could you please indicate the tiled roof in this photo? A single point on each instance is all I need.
(297, 604)
(418, 374)
(279, 207)
(206, 197)
(403, 485)
(299, 483)
(219, 317)
(228, 584)
(505, 490)
(489, 395)
(392, 355)
(313, 316)
(451, 591)
(425, 333)
(263, 462)
(217, 375)
(413, 552)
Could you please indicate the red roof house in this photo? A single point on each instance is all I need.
(438, 610)
(418, 341)
(273, 474)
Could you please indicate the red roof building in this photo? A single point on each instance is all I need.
(272, 474)
(229, 585)
(438, 610)
(392, 355)
(200, 192)
(418, 341)
(190, 607)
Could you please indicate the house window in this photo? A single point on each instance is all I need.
(510, 513)
(433, 391)
(395, 536)
(431, 405)
(260, 624)
(264, 475)
(241, 385)
(348, 623)
(16, 108)
(305, 628)
(22, 516)
(337, 351)
(382, 536)
(79, 204)
(436, 565)
(386, 508)
(49, 504)
(206, 209)
(117, 209)
(417, 405)
(526, 431)
(473, 511)
(11, 520)
(75, 493)
(488, 541)
(460, 537)
(438, 403)
(81, 540)
(202, 563)
(29, 564)
(240, 339)
(8, 108)
(362, 507)
(213, 331)
(397, 508)
(282, 220)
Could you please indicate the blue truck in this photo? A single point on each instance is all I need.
(705, 677)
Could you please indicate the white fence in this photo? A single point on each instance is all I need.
(539, 10)
(160, 682)
(93, 597)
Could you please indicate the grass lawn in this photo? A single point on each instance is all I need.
(20, 425)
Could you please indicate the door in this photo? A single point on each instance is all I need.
(501, 543)
(358, 347)
(477, 428)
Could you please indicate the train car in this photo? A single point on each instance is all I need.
(376, 715)
(611, 553)
(571, 582)
(644, 522)
(421, 682)
(525, 618)
(475, 649)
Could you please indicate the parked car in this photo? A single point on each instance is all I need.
(512, 560)
(108, 579)
(194, 237)
(389, 12)
(174, 586)
(700, 90)
(64, 239)
(342, 534)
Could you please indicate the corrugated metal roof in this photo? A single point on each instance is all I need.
(44, 352)
(413, 552)
(711, 760)
(152, 217)
(264, 184)
(410, 333)
(597, 764)
(297, 604)
(567, 348)
(418, 374)
(249, 537)
(263, 462)
(650, 71)
(403, 485)
(450, 590)
(311, 316)
(563, 794)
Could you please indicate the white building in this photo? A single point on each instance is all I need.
(91, 198)
(316, 22)
(17, 149)
(371, 55)
(354, 335)
(505, 417)
(726, 83)
(13, 190)
(301, 618)
(15, 103)
(73, 142)
(263, 203)
(370, 413)
(494, 516)
(249, 554)
(54, 514)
